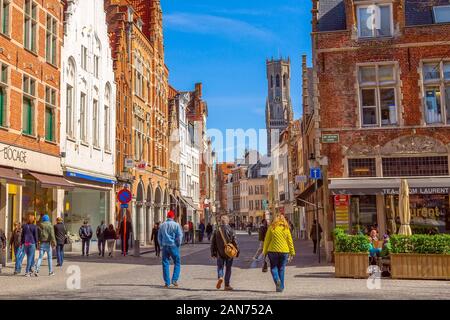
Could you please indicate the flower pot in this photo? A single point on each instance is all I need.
(351, 265)
(420, 266)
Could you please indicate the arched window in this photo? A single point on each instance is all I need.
(271, 81)
(285, 80)
(97, 55)
(107, 117)
(70, 96)
(278, 80)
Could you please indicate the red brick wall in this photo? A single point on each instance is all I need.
(21, 62)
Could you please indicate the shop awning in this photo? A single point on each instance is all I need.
(188, 202)
(373, 186)
(11, 176)
(309, 190)
(48, 181)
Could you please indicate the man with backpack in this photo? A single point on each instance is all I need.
(101, 241)
(224, 248)
(85, 233)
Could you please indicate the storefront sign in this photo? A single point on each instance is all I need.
(129, 163)
(20, 158)
(330, 138)
(342, 209)
(419, 191)
(141, 165)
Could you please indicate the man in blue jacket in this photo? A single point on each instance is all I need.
(170, 237)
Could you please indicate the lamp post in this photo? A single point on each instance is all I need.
(312, 162)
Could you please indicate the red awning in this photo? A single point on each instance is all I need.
(11, 176)
(48, 181)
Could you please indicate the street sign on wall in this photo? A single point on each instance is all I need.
(129, 163)
(330, 138)
(301, 179)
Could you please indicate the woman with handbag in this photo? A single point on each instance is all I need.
(279, 247)
(224, 248)
(61, 240)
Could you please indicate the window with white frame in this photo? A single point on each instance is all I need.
(97, 54)
(139, 77)
(50, 114)
(375, 20)
(436, 80)
(107, 118)
(29, 104)
(83, 117)
(441, 14)
(84, 57)
(95, 125)
(378, 94)
(70, 97)
(4, 16)
(30, 25)
(139, 136)
(50, 39)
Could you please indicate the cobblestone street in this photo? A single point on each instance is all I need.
(140, 278)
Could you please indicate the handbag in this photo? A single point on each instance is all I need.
(230, 249)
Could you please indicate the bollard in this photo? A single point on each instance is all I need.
(137, 248)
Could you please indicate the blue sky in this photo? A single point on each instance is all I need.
(224, 44)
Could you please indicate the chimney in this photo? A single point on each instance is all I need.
(198, 89)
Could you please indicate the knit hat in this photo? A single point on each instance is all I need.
(171, 214)
(45, 218)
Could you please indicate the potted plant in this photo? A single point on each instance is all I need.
(351, 255)
(420, 256)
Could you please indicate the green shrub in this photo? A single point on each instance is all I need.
(349, 243)
(421, 244)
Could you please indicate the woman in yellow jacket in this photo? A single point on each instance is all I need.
(279, 247)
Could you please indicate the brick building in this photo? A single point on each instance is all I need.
(142, 85)
(223, 170)
(381, 86)
(31, 35)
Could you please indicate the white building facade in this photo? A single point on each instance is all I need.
(87, 116)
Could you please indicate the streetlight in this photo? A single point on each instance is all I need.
(312, 163)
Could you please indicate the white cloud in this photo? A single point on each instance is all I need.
(210, 24)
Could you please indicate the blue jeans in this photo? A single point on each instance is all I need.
(19, 254)
(30, 251)
(224, 264)
(60, 254)
(45, 248)
(278, 262)
(174, 253)
(374, 252)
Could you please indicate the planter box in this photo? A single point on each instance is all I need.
(351, 265)
(420, 266)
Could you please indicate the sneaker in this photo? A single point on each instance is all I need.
(51, 274)
(228, 288)
(99, 254)
(27, 275)
(16, 273)
(110, 254)
(219, 283)
(278, 286)
(58, 265)
(36, 274)
(175, 284)
(166, 286)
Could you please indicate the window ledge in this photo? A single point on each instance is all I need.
(51, 142)
(108, 152)
(83, 143)
(7, 36)
(53, 65)
(97, 148)
(32, 52)
(72, 139)
(29, 135)
(4, 128)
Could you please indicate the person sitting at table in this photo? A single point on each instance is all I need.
(374, 250)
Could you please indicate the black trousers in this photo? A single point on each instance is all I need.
(315, 245)
(157, 249)
(101, 246)
(125, 244)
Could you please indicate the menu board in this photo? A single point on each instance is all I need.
(342, 209)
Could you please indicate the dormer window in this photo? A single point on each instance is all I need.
(441, 14)
(375, 21)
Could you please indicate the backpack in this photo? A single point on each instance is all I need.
(230, 249)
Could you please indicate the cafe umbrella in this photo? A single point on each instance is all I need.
(404, 212)
(392, 226)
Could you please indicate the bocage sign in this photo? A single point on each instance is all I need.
(15, 155)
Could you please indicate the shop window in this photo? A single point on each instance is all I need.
(51, 39)
(375, 21)
(436, 78)
(4, 16)
(363, 211)
(36, 200)
(50, 109)
(378, 95)
(362, 168)
(415, 166)
(430, 213)
(30, 25)
(3, 95)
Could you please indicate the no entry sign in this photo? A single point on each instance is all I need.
(124, 196)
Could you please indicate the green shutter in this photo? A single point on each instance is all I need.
(5, 26)
(27, 117)
(49, 134)
(2, 107)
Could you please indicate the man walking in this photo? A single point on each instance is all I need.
(314, 236)
(47, 242)
(170, 237)
(201, 229)
(85, 233)
(101, 238)
(61, 239)
(261, 236)
(125, 230)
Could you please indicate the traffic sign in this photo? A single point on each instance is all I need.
(124, 206)
(315, 173)
(124, 196)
